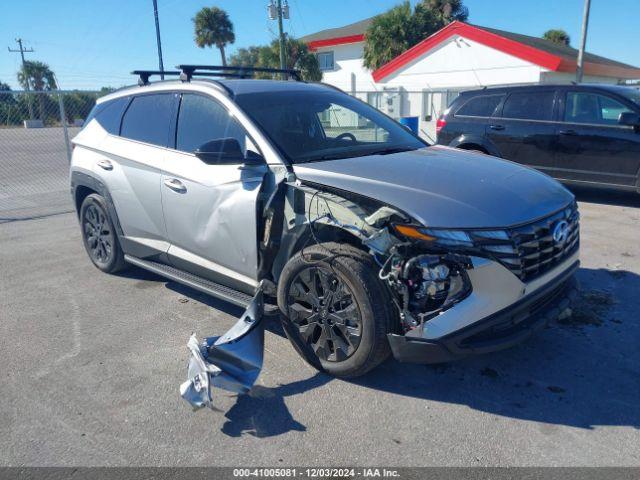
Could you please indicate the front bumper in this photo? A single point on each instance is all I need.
(502, 329)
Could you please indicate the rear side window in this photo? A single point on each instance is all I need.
(108, 114)
(147, 119)
(529, 106)
(202, 119)
(482, 106)
(584, 107)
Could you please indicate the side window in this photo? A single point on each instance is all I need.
(109, 114)
(202, 119)
(325, 61)
(529, 106)
(147, 119)
(585, 107)
(482, 106)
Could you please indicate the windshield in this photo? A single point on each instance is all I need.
(311, 125)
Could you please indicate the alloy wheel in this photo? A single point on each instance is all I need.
(323, 309)
(98, 234)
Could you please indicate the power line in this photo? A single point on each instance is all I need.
(22, 51)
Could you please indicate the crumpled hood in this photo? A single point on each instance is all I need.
(445, 187)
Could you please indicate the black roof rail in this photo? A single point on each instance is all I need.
(145, 74)
(189, 71)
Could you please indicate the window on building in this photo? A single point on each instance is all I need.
(147, 119)
(529, 106)
(482, 106)
(584, 107)
(325, 60)
(202, 119)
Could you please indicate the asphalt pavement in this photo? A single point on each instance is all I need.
(91, 365)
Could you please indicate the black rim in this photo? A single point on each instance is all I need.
(98, 234)
(323, 309)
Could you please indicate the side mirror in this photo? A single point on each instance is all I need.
(630, 119)
(225, 151)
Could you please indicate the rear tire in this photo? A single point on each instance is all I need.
(99, 236)
(336, 312)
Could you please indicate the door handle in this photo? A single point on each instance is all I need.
(175, 185)
(496, 127)
(568, 132)
(105, 164)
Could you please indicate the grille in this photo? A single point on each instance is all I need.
(530, 250)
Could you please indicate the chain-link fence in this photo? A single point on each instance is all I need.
(34, 150)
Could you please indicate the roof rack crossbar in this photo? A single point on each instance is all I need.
(189, 71)
(143, 75)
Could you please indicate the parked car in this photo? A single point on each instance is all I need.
(582, 134)
(369, 240)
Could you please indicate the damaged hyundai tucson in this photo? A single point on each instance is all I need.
(369, 241)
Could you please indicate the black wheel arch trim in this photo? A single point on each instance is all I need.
(479, 140)
(81, 179)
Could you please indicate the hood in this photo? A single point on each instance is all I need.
(445, 187)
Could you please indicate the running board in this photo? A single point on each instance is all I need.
(198, 283)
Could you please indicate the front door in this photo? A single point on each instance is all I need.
(524, 131)
(210, 210)
(592, 146)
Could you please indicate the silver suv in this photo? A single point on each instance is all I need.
(370, 241)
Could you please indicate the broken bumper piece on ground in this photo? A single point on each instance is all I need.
(232, 361)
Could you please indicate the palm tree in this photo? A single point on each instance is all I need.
(557, 36)
(39, 77)
(399, 29)
(446, 11)
(213, 27)
(390, 34)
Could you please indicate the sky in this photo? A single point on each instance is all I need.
(90, 43)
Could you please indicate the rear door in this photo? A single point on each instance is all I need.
(130, 165)
(470, 118)
(523, 129)
(592, 146)
(210, 210)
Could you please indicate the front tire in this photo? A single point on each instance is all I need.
(99, 236)
(336, 311)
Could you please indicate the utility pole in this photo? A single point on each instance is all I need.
(280, 11)
(22, 51)
(155, 14)
(583, 41)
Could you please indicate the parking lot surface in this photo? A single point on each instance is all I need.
(91, 365)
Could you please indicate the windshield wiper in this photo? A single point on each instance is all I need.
(389, 150)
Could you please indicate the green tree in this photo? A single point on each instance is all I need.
(213, 27)
(296, 52)
(400, 28)
(39, 77)
(390, 34)
(445, 11)
(557, 36)
(5, 97)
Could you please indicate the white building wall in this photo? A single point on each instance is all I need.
(566, 78)
(348, 71)
(462, 63)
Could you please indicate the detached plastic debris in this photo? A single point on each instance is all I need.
(232, 361)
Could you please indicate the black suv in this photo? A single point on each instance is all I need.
(588, 134)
